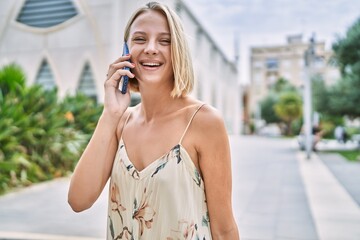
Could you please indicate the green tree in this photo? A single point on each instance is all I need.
(320, 95)
(345, 95)
(267, 109)
(289, 108)
(267, 105)
(282, 85)
(347, 50)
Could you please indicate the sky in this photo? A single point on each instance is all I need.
(269, 22)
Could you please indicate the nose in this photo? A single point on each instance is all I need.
(151, 48)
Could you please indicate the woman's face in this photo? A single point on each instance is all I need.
(150, 48)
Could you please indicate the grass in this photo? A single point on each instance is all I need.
(353, 155)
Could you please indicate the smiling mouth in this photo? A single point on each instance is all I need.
(151, 64)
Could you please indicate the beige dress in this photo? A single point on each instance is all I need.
(166, 200)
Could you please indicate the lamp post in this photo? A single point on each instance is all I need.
(309, 57)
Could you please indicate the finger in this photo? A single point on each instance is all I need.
(115, 66)
(119, 86)
(123, 58)
(121, 65)
(122, 72)
(117, 76)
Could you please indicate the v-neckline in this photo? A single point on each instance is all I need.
(155, 163)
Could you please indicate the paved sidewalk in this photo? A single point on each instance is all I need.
(35, 236)
(347, 173)
(270, 200)
(41, 212)
(336, 214)
(277, 195)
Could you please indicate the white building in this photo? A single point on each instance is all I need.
(269, 63)
(70, 44)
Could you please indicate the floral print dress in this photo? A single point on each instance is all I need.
(164, 201)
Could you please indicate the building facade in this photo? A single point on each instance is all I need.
(69, 44)
(269, 63)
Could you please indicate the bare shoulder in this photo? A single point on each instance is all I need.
(208, 118)
(209, 127)
(122, 121)
(206, 111)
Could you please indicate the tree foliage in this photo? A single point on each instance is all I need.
(267, 109)
(281, 105)
(282, 85)
(347, 50)
(267, 104)
(320, 95)
(289, 108)
(345, 95)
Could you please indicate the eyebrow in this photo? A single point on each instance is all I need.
(144, 33)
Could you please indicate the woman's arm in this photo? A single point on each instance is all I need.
(94, 167)
(215, 165)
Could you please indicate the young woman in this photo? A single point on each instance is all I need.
(167, 158)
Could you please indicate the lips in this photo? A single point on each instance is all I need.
(150, 64)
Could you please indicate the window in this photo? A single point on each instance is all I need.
(258, 64)
(272, 63)
(199, 35)
(87, 83)
(178, 8)
(43, 14)
(198, 42)
(45, 76)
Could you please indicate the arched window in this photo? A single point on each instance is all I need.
(44, 14)
(87, 82)
(45, 76)
(178, 8)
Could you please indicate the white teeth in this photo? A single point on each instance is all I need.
(151, 64)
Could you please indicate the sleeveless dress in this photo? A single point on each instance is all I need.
(164, 201)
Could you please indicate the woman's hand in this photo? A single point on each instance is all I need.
(94, 167)
(115, 102)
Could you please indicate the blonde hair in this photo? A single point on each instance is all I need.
(180, 54)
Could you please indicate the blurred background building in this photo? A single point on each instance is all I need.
(268, 64)
(69, 44)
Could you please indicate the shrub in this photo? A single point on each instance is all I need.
(38, 140)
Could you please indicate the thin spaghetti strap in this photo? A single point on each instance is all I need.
(127, 119)
(192, 117)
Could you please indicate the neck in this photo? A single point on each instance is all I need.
(156, 104)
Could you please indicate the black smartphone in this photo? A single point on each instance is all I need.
(125, 81)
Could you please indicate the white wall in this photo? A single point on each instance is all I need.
(95, 35)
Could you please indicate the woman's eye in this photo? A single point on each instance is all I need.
(165, 41)
(139, 39)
